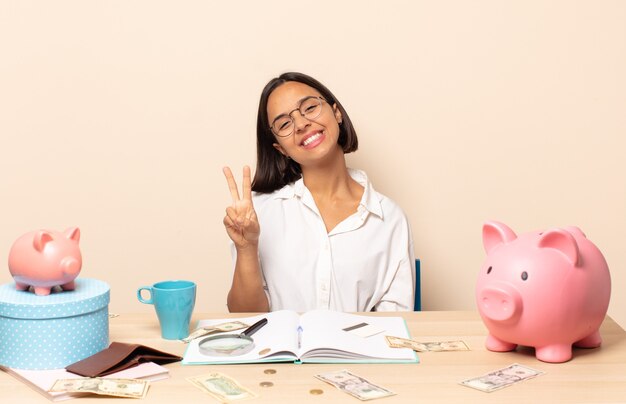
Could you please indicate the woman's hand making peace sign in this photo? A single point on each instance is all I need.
(240, 221)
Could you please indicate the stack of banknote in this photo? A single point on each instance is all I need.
(354, 385)
(221, 387)
(501, 378)
(437, 346)
(132, 388)
(213, 329)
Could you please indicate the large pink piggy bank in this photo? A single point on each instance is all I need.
(548, 290)
(44, 259)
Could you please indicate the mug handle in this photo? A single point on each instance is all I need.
(141, 299)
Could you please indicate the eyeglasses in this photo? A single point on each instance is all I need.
(310, 108)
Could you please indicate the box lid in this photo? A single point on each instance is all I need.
(89, 295)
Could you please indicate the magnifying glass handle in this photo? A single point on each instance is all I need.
(254, 327)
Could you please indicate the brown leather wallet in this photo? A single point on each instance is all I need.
(119, 356)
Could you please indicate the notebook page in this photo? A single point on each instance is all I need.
(324, 336)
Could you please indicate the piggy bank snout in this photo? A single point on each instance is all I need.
(500, 303)
(70, 266)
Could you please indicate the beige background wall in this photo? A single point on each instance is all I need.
(117, 116)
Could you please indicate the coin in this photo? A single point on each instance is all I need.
(264, 351)
(316, 392)
(266, 384)
(269, 371)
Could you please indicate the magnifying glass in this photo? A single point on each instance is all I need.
(230, 344)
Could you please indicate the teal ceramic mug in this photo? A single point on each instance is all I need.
(174, 302)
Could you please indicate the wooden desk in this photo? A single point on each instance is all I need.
(594, 375)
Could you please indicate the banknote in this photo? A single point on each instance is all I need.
(212, 329)
(354, 385)
(436, 346)
(222, 387)
(501, 378)
(133, 388)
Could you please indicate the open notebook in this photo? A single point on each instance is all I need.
(318, 336)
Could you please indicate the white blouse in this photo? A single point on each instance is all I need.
(365, 263)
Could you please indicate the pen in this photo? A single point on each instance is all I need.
(254, 327)
(299, 337)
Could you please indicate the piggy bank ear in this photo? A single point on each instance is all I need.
(563, 242)
(40, 240)
(496, 233)
(73, 233)
(575, 231)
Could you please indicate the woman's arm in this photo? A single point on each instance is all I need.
(401, 293)
(400, 296)
(246, 293)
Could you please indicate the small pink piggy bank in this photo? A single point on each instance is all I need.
(548, 290)
(44, 259)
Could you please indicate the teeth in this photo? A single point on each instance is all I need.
(311, 139)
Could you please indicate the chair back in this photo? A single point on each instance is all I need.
(418, 290)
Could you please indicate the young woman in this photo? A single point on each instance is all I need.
(315, 234)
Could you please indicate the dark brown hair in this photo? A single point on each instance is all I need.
(273, 169)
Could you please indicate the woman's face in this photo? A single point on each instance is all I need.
(311, 138)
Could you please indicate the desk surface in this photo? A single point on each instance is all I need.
(593, 375)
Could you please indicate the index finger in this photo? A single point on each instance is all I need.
(247, 187)
(232, 185)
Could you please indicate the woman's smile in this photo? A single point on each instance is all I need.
(312, 140)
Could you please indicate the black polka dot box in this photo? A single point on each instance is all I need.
(53, 331)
